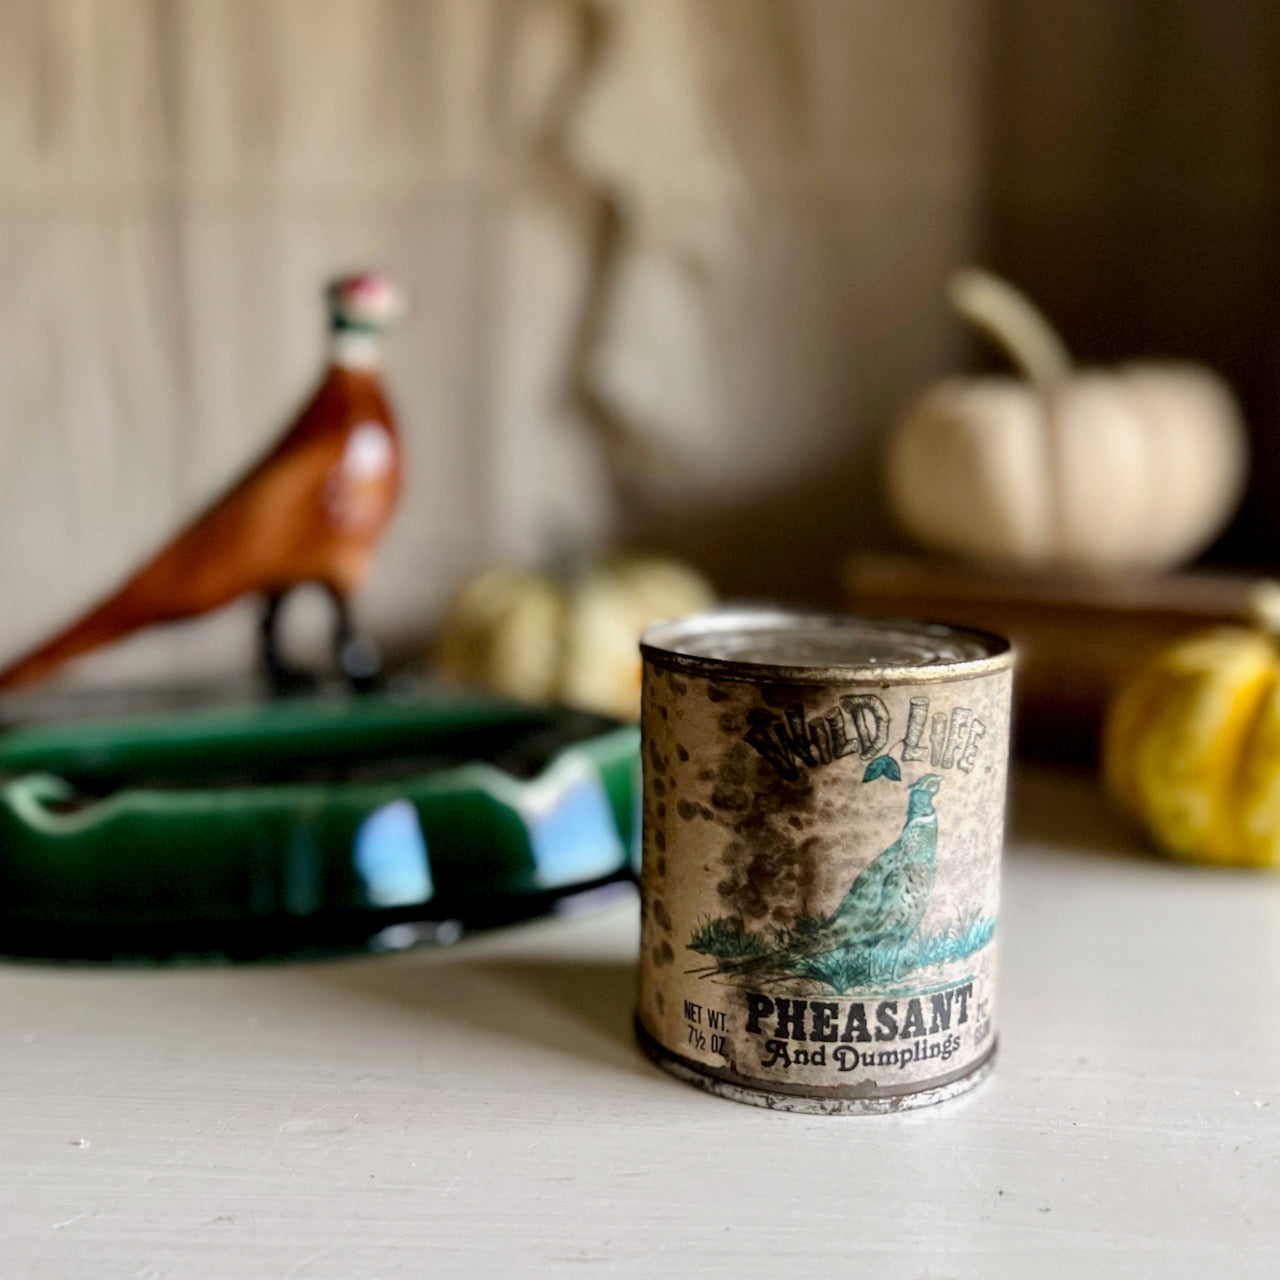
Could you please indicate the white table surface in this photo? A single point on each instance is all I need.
(482, 1111)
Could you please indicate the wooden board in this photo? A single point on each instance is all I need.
(1077, 638)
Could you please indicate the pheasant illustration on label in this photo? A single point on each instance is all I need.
(873, 938)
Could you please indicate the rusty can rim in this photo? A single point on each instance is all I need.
(672, 646)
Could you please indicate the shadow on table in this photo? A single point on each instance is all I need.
(583, 1008)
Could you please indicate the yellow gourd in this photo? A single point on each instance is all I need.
(1192, 748)
(1136, 468)
(531, 636)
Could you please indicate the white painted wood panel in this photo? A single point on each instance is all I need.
(655, 222)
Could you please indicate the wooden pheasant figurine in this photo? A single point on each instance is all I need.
(311, 511)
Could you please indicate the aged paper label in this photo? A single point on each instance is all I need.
(820, 879)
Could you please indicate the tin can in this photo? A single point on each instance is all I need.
(823, 821)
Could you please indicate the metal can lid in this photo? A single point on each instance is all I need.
(820, 648)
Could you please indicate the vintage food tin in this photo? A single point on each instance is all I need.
(823, 821)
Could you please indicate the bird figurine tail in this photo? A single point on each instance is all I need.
(312, 510)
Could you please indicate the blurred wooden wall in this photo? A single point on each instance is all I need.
(1131, 181)
(673, 263)
(665, 257)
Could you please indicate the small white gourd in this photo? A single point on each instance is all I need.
(1136, 468)
(571, 640)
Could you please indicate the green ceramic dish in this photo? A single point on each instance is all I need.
(304, 825)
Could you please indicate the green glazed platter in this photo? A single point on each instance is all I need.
(304, 825)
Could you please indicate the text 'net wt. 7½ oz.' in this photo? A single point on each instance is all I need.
(823, 823)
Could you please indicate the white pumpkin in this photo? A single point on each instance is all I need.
(1136, 468)
(532, 636)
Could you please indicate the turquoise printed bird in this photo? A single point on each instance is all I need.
(883, 907)
(887, 901)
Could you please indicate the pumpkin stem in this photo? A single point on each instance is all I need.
(1013, 321)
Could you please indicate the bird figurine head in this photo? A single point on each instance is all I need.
(366, 303)
(922, 792)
